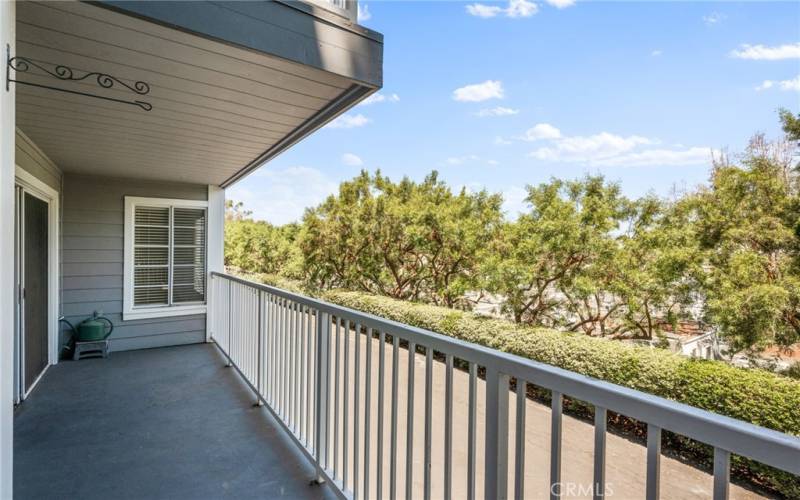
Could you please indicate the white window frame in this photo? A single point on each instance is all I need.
(129, 311)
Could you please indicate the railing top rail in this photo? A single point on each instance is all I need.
(758, 443)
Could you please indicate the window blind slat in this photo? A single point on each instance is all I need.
(188, 275)
(148, 235)
(169, 241)
(152, 216)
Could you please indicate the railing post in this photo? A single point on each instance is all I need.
(321, 404)
(555, 445)
(230, 327)
(496, 464)
(722, 474)
(600, 425)
(259, 353)
(653, 462)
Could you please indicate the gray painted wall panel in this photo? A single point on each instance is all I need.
(72, 256)
(105, 230)
(95, 217)
(93, 242)
(90, 282)
(279, 29)
(90, 268)
(129, 344)
(87, 295)
(82, 310)
(92, 259)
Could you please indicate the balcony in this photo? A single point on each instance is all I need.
(445, 423)
(342, 410)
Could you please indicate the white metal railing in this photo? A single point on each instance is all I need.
(303, 359)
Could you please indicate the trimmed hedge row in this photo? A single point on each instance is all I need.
(755, 396)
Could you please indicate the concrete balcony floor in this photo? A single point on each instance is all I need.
(159, 423)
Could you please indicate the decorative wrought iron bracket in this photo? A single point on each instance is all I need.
(21, 64)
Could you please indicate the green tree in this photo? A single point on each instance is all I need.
(409, 240)
(545, 264)
(747, 222)
(258, 246)
(660, 266)
(790, 124)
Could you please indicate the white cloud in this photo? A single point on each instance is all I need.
(483, 10)
(541, 131)
(352, 160)
(363, 12)
(460, 160)
(490, 89)
(281, 196)
(658, 157)
(515, 8)
(766, 84)
(521, 8)
(561, 4)
(656, 53)
(713, 18)
(588, 148)
(349, 121)
(766, 53)
(378, 97)
(793, 84)
(499, 141)
(498, 111)
(607, 149)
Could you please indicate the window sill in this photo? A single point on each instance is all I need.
(163, 312)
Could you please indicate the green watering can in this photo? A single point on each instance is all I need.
(91, 329)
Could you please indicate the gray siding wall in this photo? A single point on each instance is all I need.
(92, 259)
(33, 160)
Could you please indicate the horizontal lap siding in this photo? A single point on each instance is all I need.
(92, 259)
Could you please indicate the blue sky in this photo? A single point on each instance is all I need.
(501, 95)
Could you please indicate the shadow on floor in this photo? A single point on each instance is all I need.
(159, 423)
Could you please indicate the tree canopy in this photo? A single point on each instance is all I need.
(583, 257)
(408, 240)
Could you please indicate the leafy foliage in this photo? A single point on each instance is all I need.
(583, 258)
(258, 246)
(564, 239)
(408, 240)
(661, 268)
(747, 225)
(790, 124)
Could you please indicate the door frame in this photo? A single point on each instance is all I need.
(36, 187)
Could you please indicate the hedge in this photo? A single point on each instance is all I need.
(756, 396)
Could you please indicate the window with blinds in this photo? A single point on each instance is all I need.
(169, 256)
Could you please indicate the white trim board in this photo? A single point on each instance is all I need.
(8, 38)
(129, 312)
(215, 244)
(38, 188)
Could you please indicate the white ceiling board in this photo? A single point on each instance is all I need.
(216, 108)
